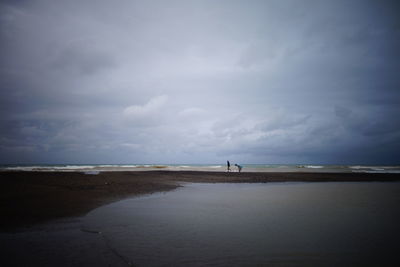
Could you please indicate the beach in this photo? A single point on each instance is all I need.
(33, 197)
(197, 218)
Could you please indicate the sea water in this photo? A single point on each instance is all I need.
(278, 224)
(203, 167)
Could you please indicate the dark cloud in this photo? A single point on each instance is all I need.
(81, 59)
(199, 81)
(375, 121)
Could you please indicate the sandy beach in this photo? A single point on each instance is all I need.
(29, 198)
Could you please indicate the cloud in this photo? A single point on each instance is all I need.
(150, 107)
(258, 53)
(82, 58)
(148, 114)
(188, 81)
(369, 122)
(191, 112)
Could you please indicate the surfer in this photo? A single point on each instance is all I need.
(228, 165)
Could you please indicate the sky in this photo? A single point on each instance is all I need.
(268, 82)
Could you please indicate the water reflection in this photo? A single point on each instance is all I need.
(256, 224)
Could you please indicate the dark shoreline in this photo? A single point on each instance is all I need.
(28, 198)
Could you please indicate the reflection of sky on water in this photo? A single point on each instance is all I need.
(305, 223)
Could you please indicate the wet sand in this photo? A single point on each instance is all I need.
(29, 198)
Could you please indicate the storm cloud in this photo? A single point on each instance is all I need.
(200, 82)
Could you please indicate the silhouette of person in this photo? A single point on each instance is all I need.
(228, 164)
(239, 167)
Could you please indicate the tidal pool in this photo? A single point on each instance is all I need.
(280, 224)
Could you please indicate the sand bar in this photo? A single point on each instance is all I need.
(28, 198)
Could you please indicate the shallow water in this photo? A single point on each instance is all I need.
(281, 224)
(59, 243)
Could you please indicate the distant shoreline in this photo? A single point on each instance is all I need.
(31, 197)
(204, 167)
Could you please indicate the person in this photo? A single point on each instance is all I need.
(239, 167)
(228, 164)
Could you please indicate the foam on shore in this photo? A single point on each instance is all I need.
(203, 167)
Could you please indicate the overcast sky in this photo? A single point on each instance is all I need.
(200, 81)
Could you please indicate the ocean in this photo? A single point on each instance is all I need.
(95, 168)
